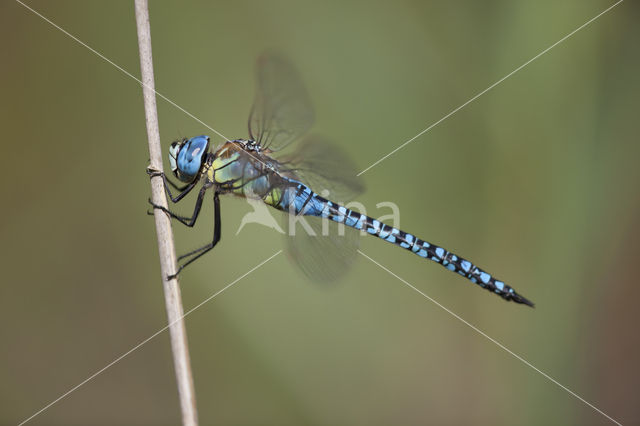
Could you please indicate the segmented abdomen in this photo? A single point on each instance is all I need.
(299, 199)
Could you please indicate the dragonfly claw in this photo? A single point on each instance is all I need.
(174, 276)
(153, 172)
(156, 206)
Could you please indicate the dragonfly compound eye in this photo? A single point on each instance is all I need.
(189, 157)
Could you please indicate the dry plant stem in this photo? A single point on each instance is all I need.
(164, 233)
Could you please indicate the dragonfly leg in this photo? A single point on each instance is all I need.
(217, 229)
(183, 190)
(189, 221)
(155, 172)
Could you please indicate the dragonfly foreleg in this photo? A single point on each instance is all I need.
(217, 229)
(189, 221)
(184, 190)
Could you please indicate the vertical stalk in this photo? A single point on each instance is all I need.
(164, 233)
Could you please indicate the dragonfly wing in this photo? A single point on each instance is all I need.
(325, 168)
(281, 114)
(281, 111)
(325, 256)
(326, 252)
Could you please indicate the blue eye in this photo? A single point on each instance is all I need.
(191, 156)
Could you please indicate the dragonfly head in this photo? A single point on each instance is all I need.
(187, 157)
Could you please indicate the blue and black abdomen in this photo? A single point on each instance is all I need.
(301, 200)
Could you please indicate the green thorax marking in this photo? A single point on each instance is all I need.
(236, 171)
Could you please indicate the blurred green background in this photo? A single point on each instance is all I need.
(536, 181)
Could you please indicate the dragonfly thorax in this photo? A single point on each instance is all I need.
(187, 157)
(250, 145)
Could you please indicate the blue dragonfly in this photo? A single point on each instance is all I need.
(261, 169)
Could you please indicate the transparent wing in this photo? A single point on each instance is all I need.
(281, 110)
(324, 167)
(325, 256)
(281, 114)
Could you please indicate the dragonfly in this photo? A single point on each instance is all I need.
(260, 168)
